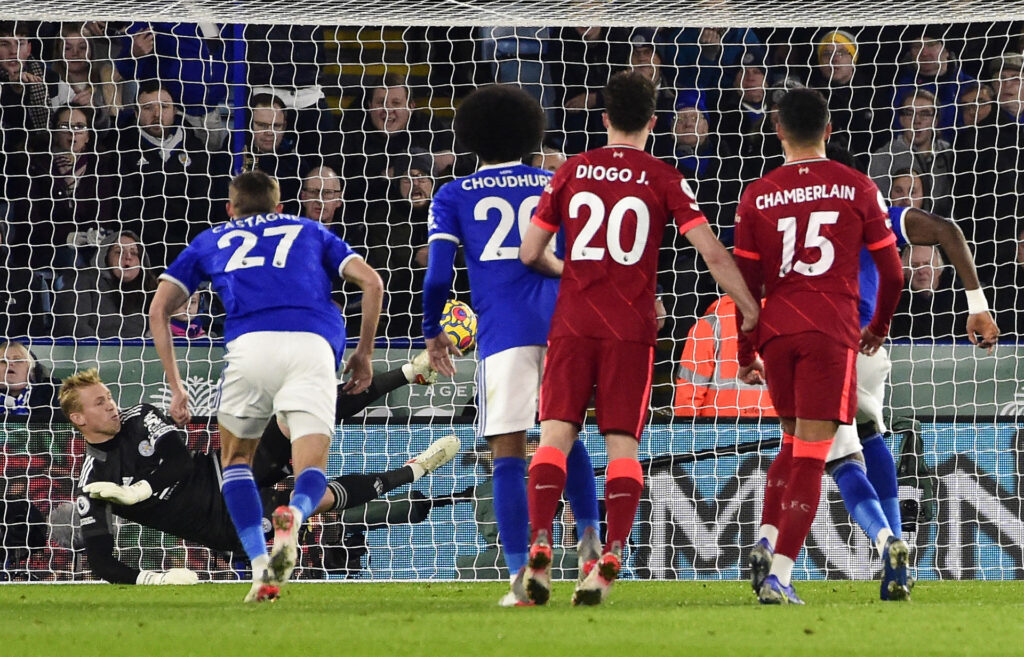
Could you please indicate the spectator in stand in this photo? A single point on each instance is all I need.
(517, 54)
(932, 67)
(645, 59)
(907, 190)
(549, 158)
(708, 58)
(746, 126)
(975, 148)
(581, 60)
(27, 391)
(322, 199)
(391, 125)
(71, 190)
(83, 80)
(396, 242)
(272, 148)
(172, 187)
(111, 298)
(1009, 292)
(854, 98)
(926, 311)
(917, 145)
(177, 55)
(186, 321)
(706, 382)
(705, 160)
(1007, 72)
(284, 62)
(24, 107)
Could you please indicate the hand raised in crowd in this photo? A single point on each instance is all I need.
(982, 330)
(142, 43)
(63, 162)
(83, 97)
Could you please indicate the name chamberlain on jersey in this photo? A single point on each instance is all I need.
(805, 195)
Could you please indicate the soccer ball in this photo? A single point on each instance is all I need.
(458, 321)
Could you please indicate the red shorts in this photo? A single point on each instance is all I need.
(619, 371)
(811, 376)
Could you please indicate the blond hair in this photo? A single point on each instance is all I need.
(14, 345)
(69, 401)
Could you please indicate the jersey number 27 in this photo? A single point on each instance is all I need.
(241, 259)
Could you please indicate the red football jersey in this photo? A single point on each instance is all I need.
(805, 224)
(614, 203)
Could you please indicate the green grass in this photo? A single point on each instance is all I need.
(640, 619)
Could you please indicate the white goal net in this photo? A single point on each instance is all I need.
(121, 124)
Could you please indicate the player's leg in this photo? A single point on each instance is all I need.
(622, 401)
(245, 405)
(872, 373)
(417, 370)
(581, 492)
(760, 558)
(570, 371)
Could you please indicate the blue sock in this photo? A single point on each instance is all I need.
(860, 498)
(882, 475)
(511, 510)
(580, 488)
(246, 509)
(310, 486)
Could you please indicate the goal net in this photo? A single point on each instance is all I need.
(123, 123)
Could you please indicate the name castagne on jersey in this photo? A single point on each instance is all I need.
(804, 195)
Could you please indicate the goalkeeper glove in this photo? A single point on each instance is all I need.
(180, 576)
(123, 495)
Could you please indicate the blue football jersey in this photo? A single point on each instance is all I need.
(488, 213)
(869, 273)
(273, 272)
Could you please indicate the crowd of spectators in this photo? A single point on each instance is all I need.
(119, 140)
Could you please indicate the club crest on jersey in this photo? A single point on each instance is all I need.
(146, 448)
(82, 504)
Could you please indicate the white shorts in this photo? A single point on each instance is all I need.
(507, 386)
(872, 373)
(278, 372)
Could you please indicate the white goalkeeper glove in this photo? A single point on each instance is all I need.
(177, 576)
(140, 491)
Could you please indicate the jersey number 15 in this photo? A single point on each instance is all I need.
(812, 240)
(241, 259)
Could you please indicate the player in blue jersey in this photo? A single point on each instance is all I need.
(860, 461)
(284, 341)
(486, 213)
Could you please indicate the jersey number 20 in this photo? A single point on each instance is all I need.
(581, 249)
(507, 217)
(241, 259)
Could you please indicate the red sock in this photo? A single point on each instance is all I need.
(775, 482)
(622, 489)
(544, 488)
(800, 499)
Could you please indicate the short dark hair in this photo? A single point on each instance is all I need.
(254, 192)
(841, 155)
(500, 123)
(266, 100)
(15, 29)
(153, 86)
(803, 113)
(629, 100)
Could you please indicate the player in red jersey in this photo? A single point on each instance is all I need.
(613, 204)
(799, 232)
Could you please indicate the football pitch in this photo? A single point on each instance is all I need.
(454, 619)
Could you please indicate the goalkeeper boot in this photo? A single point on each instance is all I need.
(517, 597)
(774, 593)
(418, 370)
(285, 553)
(437, 454)
(595, 587)
(263, 589)
(894, 570)
(760, 562)
(538, 570)
(588, 551)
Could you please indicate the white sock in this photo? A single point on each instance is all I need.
(770, 532)
(782, 567)
(883, 536)
(298, 515)
(410, 376)
(259, 564)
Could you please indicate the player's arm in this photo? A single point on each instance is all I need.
(170, 296)
(436, 285)
(927, 229)
(890, 286)
(536, 254)
(723, 268)
(356, 271)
